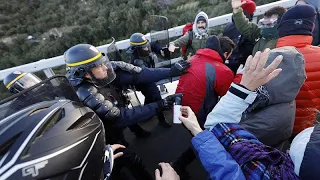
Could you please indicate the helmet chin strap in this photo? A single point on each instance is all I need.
(94, 80)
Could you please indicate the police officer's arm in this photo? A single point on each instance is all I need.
(248, 29)
(128, 74)
(147, 75)
(182, 41)
(119, 117)
(139, 63)
(137, 114)
(156, 47)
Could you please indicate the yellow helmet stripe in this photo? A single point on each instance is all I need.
(85, 61)
(15, 79)
(141, 43)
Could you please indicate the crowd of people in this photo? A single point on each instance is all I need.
(250, 97)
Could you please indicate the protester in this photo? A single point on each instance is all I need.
(265, 32)
(197, 36)
(295, 29)
(256, 160)
(243, 45)
(207, 79)
(265, 117)
(316, 31)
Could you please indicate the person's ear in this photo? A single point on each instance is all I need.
(226, 55)
(87, 76)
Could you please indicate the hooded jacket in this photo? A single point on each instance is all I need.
(308, 99)
(252, 32)
(215, 159)
(198, 38)
(316, 31)
(256, 160)
(271, 116)
(207, 78)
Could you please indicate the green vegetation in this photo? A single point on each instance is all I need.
(60, 24)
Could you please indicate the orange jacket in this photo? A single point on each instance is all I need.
(308, 99)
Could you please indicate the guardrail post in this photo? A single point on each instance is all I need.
(255, 19)
(48, 72)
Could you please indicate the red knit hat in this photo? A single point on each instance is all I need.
(249, 7)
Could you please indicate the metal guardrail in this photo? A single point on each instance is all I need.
(46, 64)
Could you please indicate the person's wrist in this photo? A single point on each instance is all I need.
(247, 86)
(235, 10)
(196, 130)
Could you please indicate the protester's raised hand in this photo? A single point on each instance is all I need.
(168, 173)
(255, 74)
(236, 4)
(115, 147)
(189, 119)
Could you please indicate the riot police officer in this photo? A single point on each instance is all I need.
(142, 55)
(96, 80)
(19, 80)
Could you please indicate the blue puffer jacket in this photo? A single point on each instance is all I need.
(215, 159)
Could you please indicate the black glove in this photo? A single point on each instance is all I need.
(165, 52)
(179, 68)
(167, 102)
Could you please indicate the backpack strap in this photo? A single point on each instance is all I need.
(189, 44)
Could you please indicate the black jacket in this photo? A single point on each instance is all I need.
(242, 50)
(107, 101)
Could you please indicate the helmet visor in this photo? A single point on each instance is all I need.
(102, 73)
(25, 82)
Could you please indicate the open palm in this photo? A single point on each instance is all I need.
(236, 4)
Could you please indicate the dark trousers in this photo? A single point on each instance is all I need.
(188, 156)
(151, 94)
(133, 163)
(184, 160)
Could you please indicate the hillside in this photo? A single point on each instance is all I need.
(57, 25)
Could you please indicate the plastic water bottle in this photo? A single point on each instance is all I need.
(176, 109)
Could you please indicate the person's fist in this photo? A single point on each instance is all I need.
(189, 119)
(168, 173)
(180, 68)
(115, 147)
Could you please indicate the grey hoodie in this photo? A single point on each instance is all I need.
(271, 116)
(196, 32)
(198, 38)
